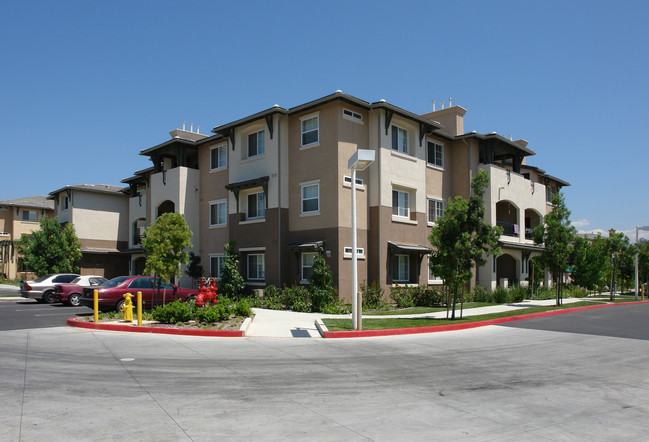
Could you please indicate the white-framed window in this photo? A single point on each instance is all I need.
(432, 277)
(435, 209)
(310, 130)
(348, 181)
(218, 157)
(310, 197)
(30, 215)
(360, 252)
(256, 266)
(399, 139)
(218, 213)
(307, 265)
(353, 116)
(256, 206)
(256, 144)
(435, 154)
(217, 264)
(401, 268)
(400, 203)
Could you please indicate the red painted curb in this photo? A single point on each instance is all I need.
(465, 325)
(75, 322)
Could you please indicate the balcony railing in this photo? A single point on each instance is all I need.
(508, 228)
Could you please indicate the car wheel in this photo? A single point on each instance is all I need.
(118, 306)
(48, 297)
(73, 299)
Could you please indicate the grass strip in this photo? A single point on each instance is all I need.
(391, 323)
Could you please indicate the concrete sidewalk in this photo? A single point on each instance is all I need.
(286, 324)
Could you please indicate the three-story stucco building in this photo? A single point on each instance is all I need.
(277, 182)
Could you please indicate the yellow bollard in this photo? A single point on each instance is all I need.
(95, 295)
(127, 307)
(139, 308)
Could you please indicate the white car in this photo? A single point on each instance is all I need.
(71, 293)
(42, 288)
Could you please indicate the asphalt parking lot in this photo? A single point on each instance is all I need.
(505, 383)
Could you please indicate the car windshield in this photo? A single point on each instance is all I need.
(115, 281)
(42, 278)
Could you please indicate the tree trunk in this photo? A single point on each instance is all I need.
(455, 289)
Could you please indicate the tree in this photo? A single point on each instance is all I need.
(617, 249)
(165, 243)
(194, 268)
(557, 235)
(643, 260)
(52, 249)
(232, 283)
(588, 262)
(462, 237)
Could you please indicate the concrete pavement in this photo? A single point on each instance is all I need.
(492, 383)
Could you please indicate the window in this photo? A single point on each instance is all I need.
(141, 283)
(65, 203)
(351, 115)
(400, 205)
(399, 139)
(401, 268)
(256, 206)
(435, 209)
(435, 154)
(256, 144)
(218, 213)
(217, 264)
(311, 198)
(310, 131)
(347, 252)
(307, 265)
(218, 157)
(348, 180)
(431, 276)
(29, 215)
(256, 267)
(548, 194)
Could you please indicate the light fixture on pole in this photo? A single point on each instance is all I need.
(361, 160)
(637, 228)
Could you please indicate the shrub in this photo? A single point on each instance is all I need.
(213, 313)
(296, 298)
(373, 296)
(517, 293)
(273, 298)
(242, 308)
(321, 296)
(424, 296)
(480, 294)
(336, 307)
(500, 295)
(176, 311)
(402, 296)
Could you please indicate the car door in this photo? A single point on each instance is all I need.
(144, 285)
(167, 292)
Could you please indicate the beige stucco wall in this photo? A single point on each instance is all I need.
(99, 216)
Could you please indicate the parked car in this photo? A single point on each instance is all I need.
(71, 292)
(42, 288)
(111, 292)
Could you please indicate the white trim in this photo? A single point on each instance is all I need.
(357, 120)
(312, 116)
(257, 155)
(309, 184)
(209, 215)
(252, 249)
(347, 252)
(432, 165)
(219, 168)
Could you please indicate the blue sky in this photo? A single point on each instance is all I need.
(84, 86)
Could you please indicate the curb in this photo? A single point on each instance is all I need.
(465, 325)
(75, 322)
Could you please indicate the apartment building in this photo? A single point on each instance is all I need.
(100, 215)
(18, 216)
(278, 183)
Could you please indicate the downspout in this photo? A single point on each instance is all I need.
(279, 202)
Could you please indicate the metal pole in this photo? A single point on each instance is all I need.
(355, 306)
(636, 263)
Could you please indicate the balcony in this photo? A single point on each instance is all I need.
(509, 229)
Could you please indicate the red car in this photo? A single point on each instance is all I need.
(71, 293)
(111, 292)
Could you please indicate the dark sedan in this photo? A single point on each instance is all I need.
(111, 292)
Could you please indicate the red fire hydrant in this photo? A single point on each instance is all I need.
(212, 292)
(202, 291)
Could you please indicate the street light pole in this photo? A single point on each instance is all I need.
(361, 160)
(637, 228)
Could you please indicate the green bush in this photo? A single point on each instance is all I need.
(517, 293)
(336, 307)
(242, 308)
(296, 298)
(402, 296)
(545, 293)
(212, 313)
(272, 298)
(480, 294)
(321, 296)
(176, 311)
(501, 295)
(424, 296)
(373, 296)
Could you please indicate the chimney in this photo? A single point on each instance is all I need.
(451, 118)
(185, 135)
